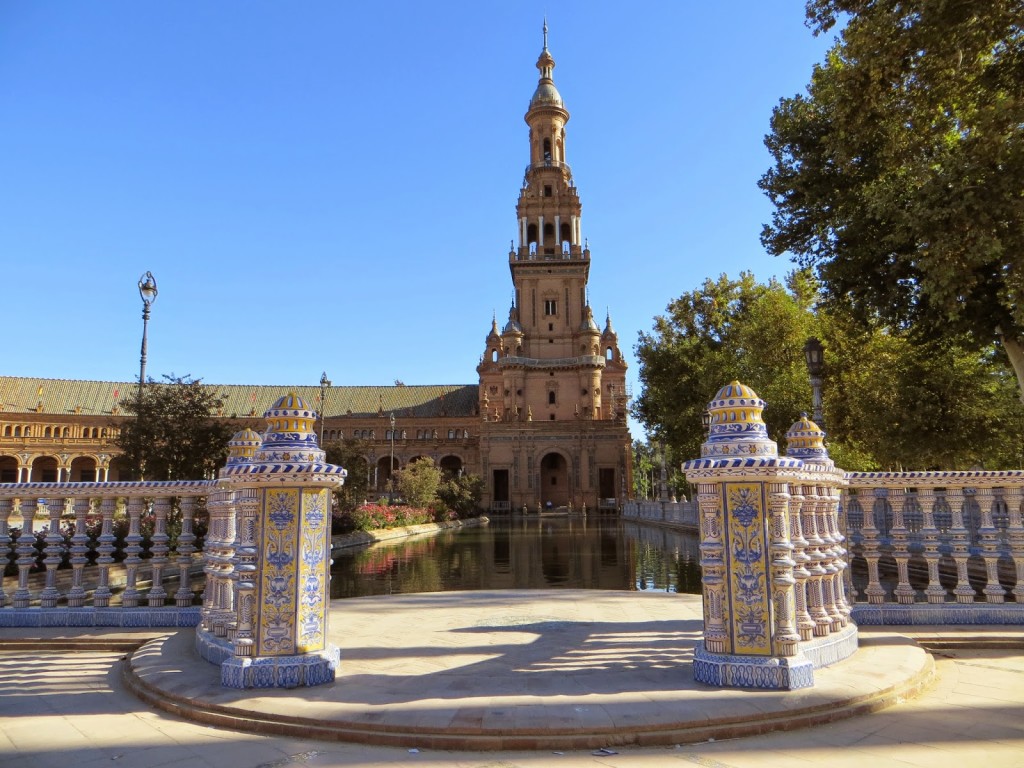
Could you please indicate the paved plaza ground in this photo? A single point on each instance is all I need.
(518, 664)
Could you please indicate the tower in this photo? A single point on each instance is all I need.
(552, 383)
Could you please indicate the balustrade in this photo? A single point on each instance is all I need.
(964, 528)
(62, 553)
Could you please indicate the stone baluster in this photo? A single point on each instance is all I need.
(786, 638)
(712, 561)
(79, 552)
(904, 593)
(214, 534)
(844, 525)
(1015, 536)
(871, 547)
(988, 535)
(961, 543)
(159, 550)
(6, 510)
(228, 583)
(105, 550)
(53, 551)
(184, 550)
(839, 580)
(133, 548)
(934, 592)
(816, 568)
(26, 552)
(248, 555)
(822, 508)
(801, 497)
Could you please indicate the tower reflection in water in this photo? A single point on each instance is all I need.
(525, 553)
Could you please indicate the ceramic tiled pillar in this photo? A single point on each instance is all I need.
(280, 639)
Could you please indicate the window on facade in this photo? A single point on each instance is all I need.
(547, 190)
(550, 307)
(451, 434)
(551, 398)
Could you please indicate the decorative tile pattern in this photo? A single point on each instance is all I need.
(738, 671)
(746, 550)
(278, 573)
(313, 569)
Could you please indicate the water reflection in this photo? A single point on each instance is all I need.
(525, 553)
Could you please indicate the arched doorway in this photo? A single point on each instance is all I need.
(8, 469)
(44, 470)
(385, 469)
(451, 465)
(554, 480)
(83, 470)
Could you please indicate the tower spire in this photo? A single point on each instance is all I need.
(545, 32)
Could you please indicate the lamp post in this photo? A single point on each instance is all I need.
(147, 290)
(324, 384)
(705, 420)
(391, 467)
(814, 353)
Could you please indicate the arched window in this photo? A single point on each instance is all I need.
(17, 431)
(547, 150)
(451, 434)
(551, 398)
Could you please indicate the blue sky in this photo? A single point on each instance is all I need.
(328, 186)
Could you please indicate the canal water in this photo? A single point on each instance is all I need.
(525, 553)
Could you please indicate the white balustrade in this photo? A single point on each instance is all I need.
(942, 530)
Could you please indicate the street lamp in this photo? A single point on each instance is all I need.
(324, 384)
(391, 468)
(147, 290)
(705, 420)
(814, 353)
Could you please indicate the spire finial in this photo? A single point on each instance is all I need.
(545, 32)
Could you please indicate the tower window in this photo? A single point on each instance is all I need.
(547, 190)
(551, 398)
(550, 307)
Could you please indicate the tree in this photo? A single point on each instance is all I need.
(175, 433)
(419, 481)
(728, 329)
(891, 400)
(897, 177)
(461, 493)
(350, 454)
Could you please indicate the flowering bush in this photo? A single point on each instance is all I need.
(375, 516)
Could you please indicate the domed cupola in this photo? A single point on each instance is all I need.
(546, 94)
(609, 334)
(493, 337)
(805, 440)
(243, 446)
(512, 327)
(291, 433)
(737, 429)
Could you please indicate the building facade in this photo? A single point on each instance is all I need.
(545, 426)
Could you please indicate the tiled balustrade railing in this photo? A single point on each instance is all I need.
(683, 514)
(936, 527)
(76, 523)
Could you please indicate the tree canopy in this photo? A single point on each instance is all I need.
(891, 400)
(898, 175)
(350, 454)
(175, 433)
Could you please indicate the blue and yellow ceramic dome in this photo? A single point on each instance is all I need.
(737, 429)
(805, 440)
(243, 446)
(291, 433)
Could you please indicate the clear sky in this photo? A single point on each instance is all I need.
(331, 186)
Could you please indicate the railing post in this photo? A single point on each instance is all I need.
(988, 534)
(870, 546)
(53, 550)
(903, 592)
(79, 552)
(6, 509)
(133, 548)
(101, 597)
(831, 498)
(159, 549)
(934, 592)
(26, 551)
(800, 498)
(1015, 536)
(184, 549)
(961, 544)
(817, 570)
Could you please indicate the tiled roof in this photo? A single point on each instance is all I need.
(97, 398)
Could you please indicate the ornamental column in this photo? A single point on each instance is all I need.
(751, 637)
(281, 635)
